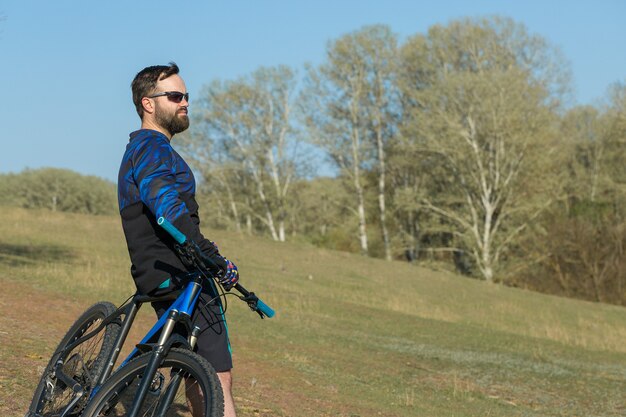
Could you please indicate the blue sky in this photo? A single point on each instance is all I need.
(66, 66)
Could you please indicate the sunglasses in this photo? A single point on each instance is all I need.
(174, 96)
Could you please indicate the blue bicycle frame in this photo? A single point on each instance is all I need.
(184, 304)
(181, 310)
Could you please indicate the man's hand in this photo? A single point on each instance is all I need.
(225, 271)
(230, 277)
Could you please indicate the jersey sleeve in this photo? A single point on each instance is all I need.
(155, 176)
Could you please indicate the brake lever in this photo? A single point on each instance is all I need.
(252, 301)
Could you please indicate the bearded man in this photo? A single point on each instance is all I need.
(155, 181)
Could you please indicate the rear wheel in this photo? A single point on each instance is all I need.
(83, 364)
(185, 384)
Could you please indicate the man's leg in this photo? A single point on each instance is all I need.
(226, 379)
(195, 401)
(214, 346)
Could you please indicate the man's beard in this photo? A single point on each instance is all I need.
(173, 123)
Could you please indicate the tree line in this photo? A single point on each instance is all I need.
(454, 146)
(58, 189)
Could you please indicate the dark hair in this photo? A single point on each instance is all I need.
(145, 82)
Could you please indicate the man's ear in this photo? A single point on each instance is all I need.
(148, 105)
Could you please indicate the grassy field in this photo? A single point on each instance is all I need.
(352, 336)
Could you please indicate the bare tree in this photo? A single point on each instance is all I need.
(377, 47)
(334, 117)
(246, 127)
(348, 108)
(482, 110)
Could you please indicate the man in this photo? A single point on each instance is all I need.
(155, 181)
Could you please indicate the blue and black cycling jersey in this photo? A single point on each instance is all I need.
(155, 181)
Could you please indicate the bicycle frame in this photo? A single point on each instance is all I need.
(181, 310)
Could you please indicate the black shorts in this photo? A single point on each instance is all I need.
(213, 343)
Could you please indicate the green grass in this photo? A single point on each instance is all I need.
(356, 336)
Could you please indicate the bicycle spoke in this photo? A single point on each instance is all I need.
(77, 367)
(82, 364)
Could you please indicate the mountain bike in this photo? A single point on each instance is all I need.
(161, 376)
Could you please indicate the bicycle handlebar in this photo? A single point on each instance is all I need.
(249, 297)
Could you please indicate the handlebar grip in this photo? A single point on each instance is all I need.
(172, 230)
(254, 302)
(265, 309)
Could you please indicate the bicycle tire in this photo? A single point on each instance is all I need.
(117, 393)
(84, 363)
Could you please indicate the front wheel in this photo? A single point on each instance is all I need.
(185, 384)
(83, 364)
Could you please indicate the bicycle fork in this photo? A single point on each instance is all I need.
(175, 381)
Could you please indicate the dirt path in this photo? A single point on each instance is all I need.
(32, 322)
(31, 325)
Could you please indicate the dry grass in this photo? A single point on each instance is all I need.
(353, 336)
